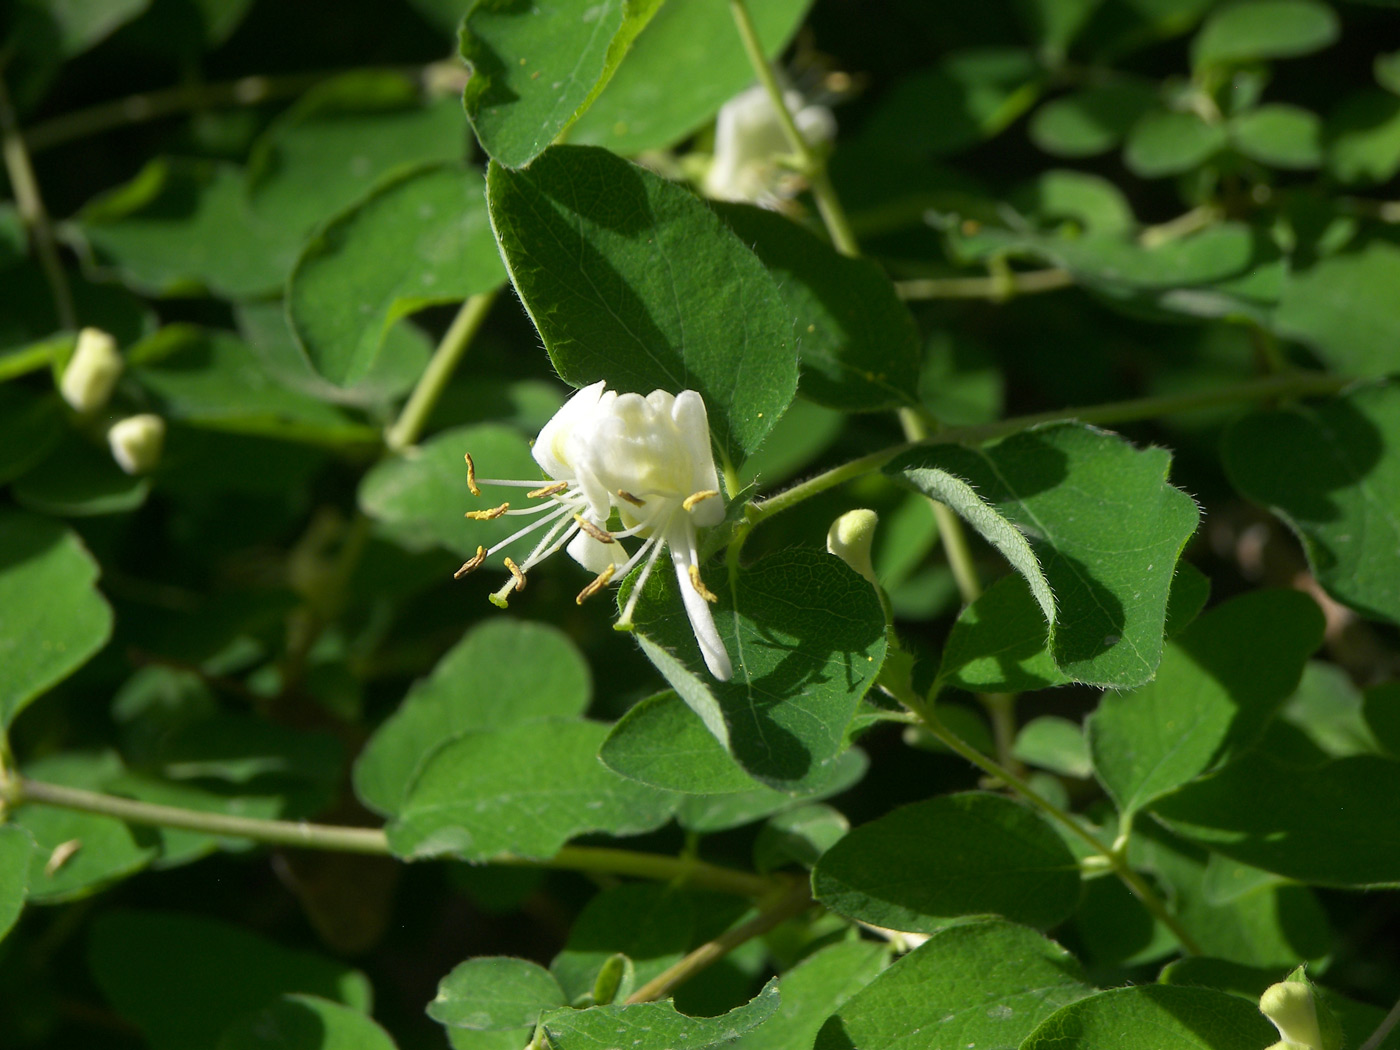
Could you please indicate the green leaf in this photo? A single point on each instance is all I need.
(1341, 307)
(999, 643)
(342, 300)
(182, 979)
(664, 743)
(30, 426)
(1105, 526)
(684, 65)
(16, 846)
(52, 618)
(305, 1022)
(81, 26)
(419, 499)
(1316, 825)
(806, 636)
(986, 984)
(1255, 30)
(857, 341)
(1090, 121)
(494, 993)
(1279, 135)
(653, 925)
(1381, 706)
(930, 864)
(814, 989)
(1164, 142)
(1091, 203)
(959, 383)
(1218, 685)
(1056, 744)
(1155, 1017)
(476, 798)
(1328, 708)
(798, 836)
(629, 278)
(655, 1026)
(1363, 138)
(706, 814)
(502, 673)
(1333, 474)
(534, 70)
(80, 479)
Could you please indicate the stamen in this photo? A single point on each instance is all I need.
(597, 585)
(471, 475)
(471, 564)
(555, 516)
(593, 530)
(488, 515)
(699, 585)
(518, 576)
(548, 490)
(696, 497)
(636, 501)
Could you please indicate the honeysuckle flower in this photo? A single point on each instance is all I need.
(646, 460)
(136, 442)
(1292, 1009)
(850, 538)
(92, 371)
(750, 144)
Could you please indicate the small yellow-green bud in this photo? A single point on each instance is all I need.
(136, 442)
(1290, 1006)
(850, 537)
(92, 371)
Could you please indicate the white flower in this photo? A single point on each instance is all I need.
(645, 459)
(750, 143)
(92, 371)
(1290, 1006)
(136, 442)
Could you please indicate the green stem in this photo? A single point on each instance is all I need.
(792, 902)
(1115, 859)
(1299, 384)
(21, 791)
(33, 213)
(813, 166)
(406, 430)
(997, 288)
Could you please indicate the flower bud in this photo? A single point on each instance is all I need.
(1290, 1006)
(850, 537)
(92, 371)
(136, 442)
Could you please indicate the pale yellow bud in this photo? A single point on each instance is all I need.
(92, 371)
(136, 442)
(1290, 1006)
(850, 538)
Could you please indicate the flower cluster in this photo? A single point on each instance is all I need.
(750, 144)
(647, 461)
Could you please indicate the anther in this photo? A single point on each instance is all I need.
(593, 530)
(636, 501)
(699, 585)
(696, 497)
(471, 564)
(548, 490)
(488, 515)
(516, 574)
(597, 585)
(471, 475)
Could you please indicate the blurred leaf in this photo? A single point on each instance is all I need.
(1090, 121)
(1056, 744)
(959, 383)
(491, 993)
(1333, 474)
(1220, 682)
(1328, 708)
(1381, 706)
(80, 479)
(81, 24)
(1164, 142)
(30, 426)
(803, 433)
(986, 983)
(1154, 1017)
(807, 638)
(305, 1022)
(656, 1026)
(630, 279)
(707, 814)
(1363, 138)
(812, 990)
(928, 865)
(1091, 203)
(182, 979)
(798, 836)
(342, 300)
(1056, 23)
(502, 673)
(857, 341)
(52, 617)
(1341, 306)
(1279, 135)
(685, 64)
(565, 59)
(1251, 30)
(476, 798)
(16, 846)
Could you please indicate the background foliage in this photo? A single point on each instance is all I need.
(1113, 744)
